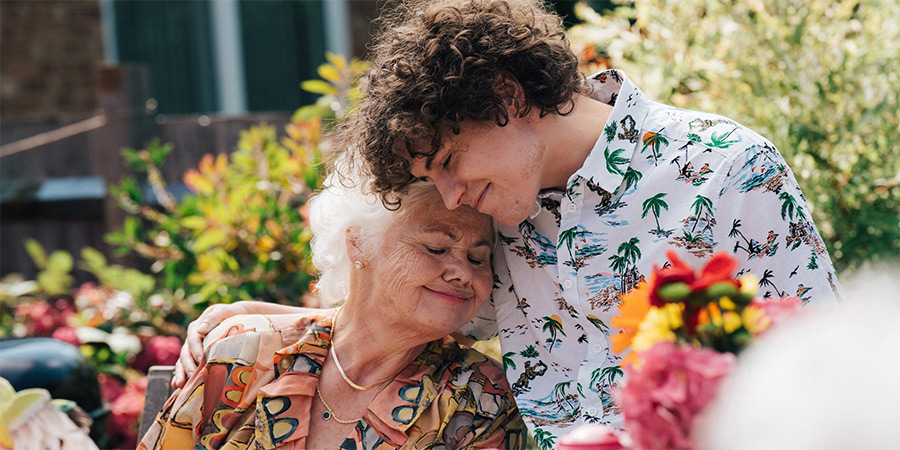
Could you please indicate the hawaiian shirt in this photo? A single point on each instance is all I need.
(658, 178)
(256, 389)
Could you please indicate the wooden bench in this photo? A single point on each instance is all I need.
(159, 388)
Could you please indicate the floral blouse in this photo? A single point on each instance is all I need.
(256, 389)
(658, 178)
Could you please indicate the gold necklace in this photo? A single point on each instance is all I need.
(329, 414)
(340, 369)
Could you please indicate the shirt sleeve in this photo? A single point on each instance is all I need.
(764, 219)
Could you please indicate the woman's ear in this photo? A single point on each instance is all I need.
(354, 244)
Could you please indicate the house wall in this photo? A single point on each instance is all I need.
(54, 77)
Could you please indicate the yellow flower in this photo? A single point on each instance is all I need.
(657, 327)
(727, 304)
(749, 284)
(731, 321)
(755, 319)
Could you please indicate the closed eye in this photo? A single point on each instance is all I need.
(435, 251)
(446, 163)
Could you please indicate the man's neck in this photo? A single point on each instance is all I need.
(570, 139)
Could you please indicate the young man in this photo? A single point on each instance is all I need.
(591, 182)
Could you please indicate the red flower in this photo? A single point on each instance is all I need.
(125, 414)
(158, 350)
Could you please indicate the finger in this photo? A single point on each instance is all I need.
(178, 377)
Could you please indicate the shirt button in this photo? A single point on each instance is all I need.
(591, 411)
(571, 207)
(567, 284)
(598, 348)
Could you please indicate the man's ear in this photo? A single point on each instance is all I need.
(512, 94)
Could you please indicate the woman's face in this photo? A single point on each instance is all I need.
(433, 266)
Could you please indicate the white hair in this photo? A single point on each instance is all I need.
(343, 205)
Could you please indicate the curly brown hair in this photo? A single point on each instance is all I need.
(438, 63)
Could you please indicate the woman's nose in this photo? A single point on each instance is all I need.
(458, 269)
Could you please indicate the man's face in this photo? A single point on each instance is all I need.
(496, 170)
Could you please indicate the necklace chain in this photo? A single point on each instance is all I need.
(329, 413)
(337, 362)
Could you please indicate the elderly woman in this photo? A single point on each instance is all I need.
(378, 372)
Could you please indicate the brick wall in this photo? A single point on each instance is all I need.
(50, 54)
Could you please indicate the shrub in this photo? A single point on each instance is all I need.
(819, 78)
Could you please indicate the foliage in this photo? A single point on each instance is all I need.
(242, 232)
(817, 77)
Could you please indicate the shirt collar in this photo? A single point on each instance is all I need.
(605, 166)
(415, 383)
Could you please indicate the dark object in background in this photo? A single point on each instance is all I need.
(56, 366)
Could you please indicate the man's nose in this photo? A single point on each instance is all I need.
(452, 191)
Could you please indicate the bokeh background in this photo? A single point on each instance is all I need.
(156, 155)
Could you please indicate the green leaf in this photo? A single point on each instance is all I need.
(194, 222)
(209, 239)
(36, 252)
(318, 87)
(329, 73)
(59, 262)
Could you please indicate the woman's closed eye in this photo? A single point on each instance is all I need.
(435, 250)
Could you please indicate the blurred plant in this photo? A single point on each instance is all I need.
(242, 233)
(816, 77)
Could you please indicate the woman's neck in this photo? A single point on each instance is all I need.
(371, 350)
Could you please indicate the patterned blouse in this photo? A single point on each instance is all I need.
(658, 178)
(257, 387)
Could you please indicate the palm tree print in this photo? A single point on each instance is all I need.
(508, 361)
(631, 178)
(701, 204)
(626, 255)
(610, 131)
(553, 325)
(544, 439)
(789, 205)
(655, 204)
(654, 141)
(560, 395)
(721, 141)
(605, 376)
(766, 280)
(529, 352)
(597, 323)
(613, 160)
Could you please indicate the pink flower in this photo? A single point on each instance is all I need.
(45, 316)
(111, 387)
(592, 436)
(125, 414)
(66, 334)
(778, 309)
(668, 390)
(158, 350)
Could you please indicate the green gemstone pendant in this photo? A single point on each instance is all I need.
(326, 415)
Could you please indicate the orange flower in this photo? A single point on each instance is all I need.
(632, 310)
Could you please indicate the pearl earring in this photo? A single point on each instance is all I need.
(358, 265)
